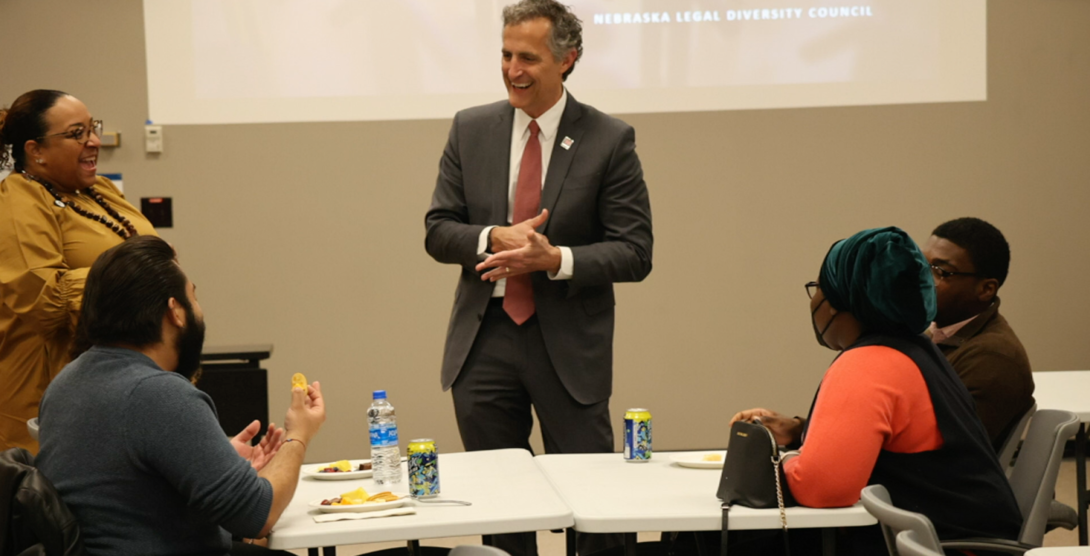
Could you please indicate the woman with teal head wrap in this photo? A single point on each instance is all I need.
(890, 410)
(882, 278)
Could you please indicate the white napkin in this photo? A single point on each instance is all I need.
(324, 518)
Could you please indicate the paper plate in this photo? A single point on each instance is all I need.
(372, 507)
(696, 459)
(312, 471)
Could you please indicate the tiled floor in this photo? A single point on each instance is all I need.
(552, 544)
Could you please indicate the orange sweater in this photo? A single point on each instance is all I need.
(871, 399)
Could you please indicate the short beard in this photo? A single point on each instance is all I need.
(189, 344)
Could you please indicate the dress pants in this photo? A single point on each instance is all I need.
(507, 371)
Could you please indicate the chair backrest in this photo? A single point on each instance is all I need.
(477, 550)
(1033, 478)
(33, 518)
(894, 520)
(1010, 445)
(909, 544)
(32, 428)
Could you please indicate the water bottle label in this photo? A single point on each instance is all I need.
(384, 435)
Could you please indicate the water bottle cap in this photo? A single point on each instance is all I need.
(379, 395)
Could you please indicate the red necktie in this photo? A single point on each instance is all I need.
(518, 300)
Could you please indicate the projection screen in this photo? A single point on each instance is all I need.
(259, 61)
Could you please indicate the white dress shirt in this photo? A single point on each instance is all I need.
(548, 125)
(939, 335)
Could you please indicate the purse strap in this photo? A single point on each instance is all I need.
(723, 538)
(776, 459)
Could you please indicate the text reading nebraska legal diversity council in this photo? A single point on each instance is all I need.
(756, 14)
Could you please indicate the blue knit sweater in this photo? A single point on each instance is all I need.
(138, 455)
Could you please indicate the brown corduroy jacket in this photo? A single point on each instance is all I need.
(992, 363)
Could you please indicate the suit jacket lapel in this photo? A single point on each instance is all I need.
(561, 158)
(499, 178)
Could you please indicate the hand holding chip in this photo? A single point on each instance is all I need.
(307, 411)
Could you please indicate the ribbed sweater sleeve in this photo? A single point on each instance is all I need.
(178, 436)
(871, 399)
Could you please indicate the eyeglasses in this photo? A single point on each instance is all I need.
(80, 134)
(943, 274)
(812, 288)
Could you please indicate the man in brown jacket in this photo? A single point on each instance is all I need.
(969, 259)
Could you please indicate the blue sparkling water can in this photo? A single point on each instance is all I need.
(423, 468)
(637, 435)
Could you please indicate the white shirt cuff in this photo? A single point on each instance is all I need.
(567, 265)
(482, 243)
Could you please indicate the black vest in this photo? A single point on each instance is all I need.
(961, 486)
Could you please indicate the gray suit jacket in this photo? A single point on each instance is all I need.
(598, 206)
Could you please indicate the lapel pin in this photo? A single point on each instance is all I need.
(567, 143)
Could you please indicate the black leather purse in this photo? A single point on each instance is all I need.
(753, 476)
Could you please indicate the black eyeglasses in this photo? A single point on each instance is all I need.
(943, 274)
(812, 288)
(80, 134)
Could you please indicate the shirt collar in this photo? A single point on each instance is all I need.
(549, 122)
(958, 332)
(940, 335)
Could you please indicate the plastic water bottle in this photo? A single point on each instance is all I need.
(385, 454)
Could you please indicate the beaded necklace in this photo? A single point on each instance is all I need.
(125, 232)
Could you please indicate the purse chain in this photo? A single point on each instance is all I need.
(776, 473)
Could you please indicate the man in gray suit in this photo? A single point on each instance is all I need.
(542, 202)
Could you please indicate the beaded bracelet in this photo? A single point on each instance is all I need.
(296, 440)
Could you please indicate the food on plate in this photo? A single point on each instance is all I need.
(360, 496)
(713, 457)
(383, 497)
(338, 467)
(344, 466)
(300, 380)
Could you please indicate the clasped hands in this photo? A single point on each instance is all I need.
(519, 249)
(787, 430)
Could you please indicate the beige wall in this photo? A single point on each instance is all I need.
(311, 236)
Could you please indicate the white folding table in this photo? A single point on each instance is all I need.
(1060, 551)
(508, 491)
(1069, 391)
(609, 495)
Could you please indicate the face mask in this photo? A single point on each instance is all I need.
(821, 335)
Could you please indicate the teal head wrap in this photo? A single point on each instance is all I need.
(881, 277)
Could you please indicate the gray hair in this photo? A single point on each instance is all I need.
(567, 31)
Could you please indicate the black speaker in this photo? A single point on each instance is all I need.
(232, 376)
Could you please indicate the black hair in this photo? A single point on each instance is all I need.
(985, 244)
(127, 293)
(25, 121)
